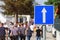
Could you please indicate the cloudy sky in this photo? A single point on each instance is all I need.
(40, 1)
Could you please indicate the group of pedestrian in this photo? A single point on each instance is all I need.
(21, 32)
(16, 33)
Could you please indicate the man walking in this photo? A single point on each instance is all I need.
(2, 32)
(21, 31)
(38, 33)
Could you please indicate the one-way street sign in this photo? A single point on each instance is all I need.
(44, 14)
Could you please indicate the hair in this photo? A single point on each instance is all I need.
(19, 24)
(1, 23)
(12, 23)
(37, 27)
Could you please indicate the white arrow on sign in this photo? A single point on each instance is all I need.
(44, 14)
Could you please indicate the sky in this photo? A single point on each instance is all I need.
(1, 15)
(40, 1)
(2, 3)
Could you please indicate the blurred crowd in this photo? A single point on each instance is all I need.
(19, 31)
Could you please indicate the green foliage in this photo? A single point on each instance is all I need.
(55, 3)
(18, 6)
(52, 2)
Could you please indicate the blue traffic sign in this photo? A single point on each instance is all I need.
(44, 14)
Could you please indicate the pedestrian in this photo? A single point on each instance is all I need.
(28, 33)
(2, 32)
(6, 31)
(32, 27)
(38, 33)
(21, 31)
(14, 33)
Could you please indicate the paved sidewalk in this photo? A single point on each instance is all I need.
(48, 36)
(34, 37)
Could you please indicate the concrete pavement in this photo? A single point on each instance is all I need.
(48, 36)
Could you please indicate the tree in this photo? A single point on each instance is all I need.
(18, 7)
(56, 3)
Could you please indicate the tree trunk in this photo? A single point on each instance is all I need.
(16, 18)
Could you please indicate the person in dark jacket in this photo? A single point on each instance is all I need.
(2, 32)
(38, 33)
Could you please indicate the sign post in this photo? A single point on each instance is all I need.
(44, 20)
(44, 15)
(44, 32)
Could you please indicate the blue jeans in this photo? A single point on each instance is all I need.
(38, 38)
(18, 37)
(28, 38)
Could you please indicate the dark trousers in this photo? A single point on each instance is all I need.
(22, 37)
(2, 38)
(14, 37)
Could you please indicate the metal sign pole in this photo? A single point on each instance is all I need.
(44, 32)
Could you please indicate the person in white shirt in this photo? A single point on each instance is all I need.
(32, 27)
